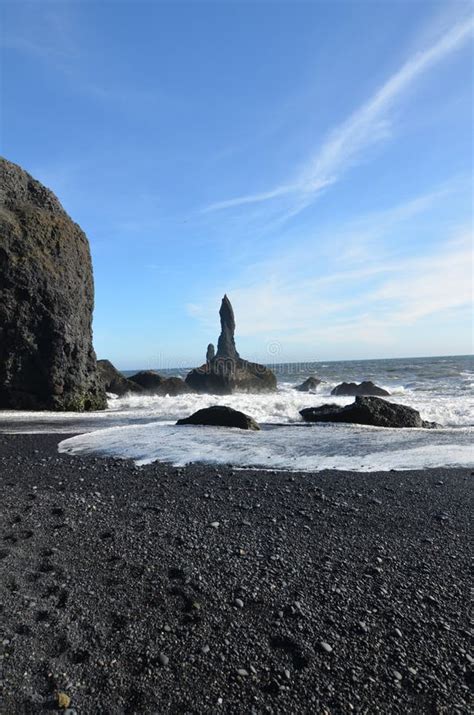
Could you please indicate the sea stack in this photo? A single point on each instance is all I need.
(226, 344)
(47, 361)
(226, 372)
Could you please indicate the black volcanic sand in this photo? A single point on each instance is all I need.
(331, 592)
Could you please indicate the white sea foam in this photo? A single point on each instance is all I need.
(281, 407)
(143, 425)
(307, 447)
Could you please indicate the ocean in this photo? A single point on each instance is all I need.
(143, 427)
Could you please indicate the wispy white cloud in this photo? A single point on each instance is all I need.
(346, 144)
(362, 305)
(265, 196)
(356, 284)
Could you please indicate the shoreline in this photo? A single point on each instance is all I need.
(326, 592)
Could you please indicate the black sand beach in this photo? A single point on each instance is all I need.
(204, 590)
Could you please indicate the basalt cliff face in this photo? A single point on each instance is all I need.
(226, 372)
(47, 361)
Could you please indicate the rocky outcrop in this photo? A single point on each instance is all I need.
(210, 353)
(368, 411)
(113, 380)
(174, 386)
(352, 389)
(220, 416)
(309, 385)
(227, 372)
(148, 380)
(155, 384)
(47, 361)
(223, 377)
(226, 344)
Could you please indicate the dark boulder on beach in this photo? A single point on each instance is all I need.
(352, 389)
(227, 372)
(47, 361)
(308, 385)
(368, 411)
(113, 380)
(220, 416)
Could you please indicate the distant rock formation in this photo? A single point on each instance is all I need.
(308, 385)
(352, 389)
(47, 361)
(220, 416)
(154, 383)
(227, 372)
(113, 380)
(174, 386)
(211, 353)
(148, 380)
(368, 411)
(226, 344)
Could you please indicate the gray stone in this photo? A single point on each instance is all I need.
(326, 647)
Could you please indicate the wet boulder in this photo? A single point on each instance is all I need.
(174, 386)
(368, 411)
(220, 416)
(153, 383)
(352, 389)
(309, 385)
(148, 380)
(113, 380)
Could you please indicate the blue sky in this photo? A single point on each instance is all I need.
(311, 159)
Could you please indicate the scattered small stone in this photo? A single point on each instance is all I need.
(326, 647)
(239, 603)
(163, 659)
(205, 649)
(397, 675)
(63, 700)
(242, 672)
(214, 524)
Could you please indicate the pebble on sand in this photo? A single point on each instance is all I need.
(63, 700)
(163, 659)
(326, 647)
